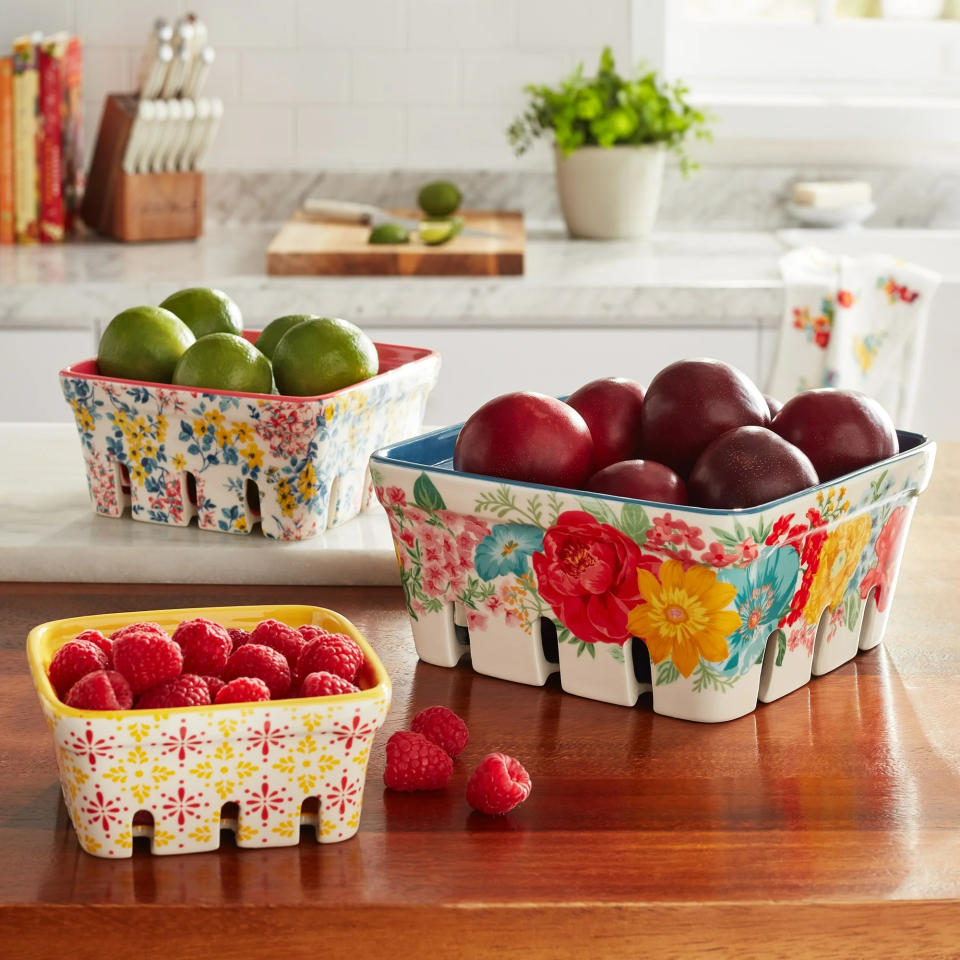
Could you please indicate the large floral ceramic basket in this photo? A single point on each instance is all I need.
(296, 464)
(732, 606)
(178, 776)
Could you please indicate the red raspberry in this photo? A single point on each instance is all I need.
(442, 727)
(498, 784)
(206, 646)
(186, 691)
(334, 653)
(214, 685)
(311, 632)
(414, 763)
(255, 660)
(323, 684)
(102, 690)
(147, 658)
(145, 627)
(75, 659)
(239, 636)
(98, 639)
(279, 637)
(243, 690)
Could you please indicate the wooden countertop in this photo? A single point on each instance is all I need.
(825, 824)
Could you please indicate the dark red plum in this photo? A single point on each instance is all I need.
(640, 480)
(612, 409)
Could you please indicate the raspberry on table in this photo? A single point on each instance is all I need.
(278, 636)
(442, 726)
(147, 658)
(214, 685)
(243, 690)
(148, 626)
(323, 684)
(186, 691)
(75, 659)
(239, 636)
(333, 653)
(101, 690)
(206, 646)
(498, 784)
(265, 663)
(414, 763)
(98, 639)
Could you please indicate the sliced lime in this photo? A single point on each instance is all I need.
(434, 232)
(389, 233)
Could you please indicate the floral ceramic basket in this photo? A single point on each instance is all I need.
(259, 769)
(732, 606)
(296, 464)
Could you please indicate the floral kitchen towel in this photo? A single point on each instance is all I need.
(854, 322)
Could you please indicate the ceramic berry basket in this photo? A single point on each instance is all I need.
(733, 606)
(296, 465)
(259, 769)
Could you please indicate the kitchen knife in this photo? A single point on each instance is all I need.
(169, 138)
(155, 133)
(345, 211)
(188, 112)
(158, 71)
(209, 133)
(162, 33)
(139, 134)
(199, 70)
(179, 68)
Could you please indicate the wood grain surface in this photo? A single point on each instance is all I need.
(826, 824)
(307, 245)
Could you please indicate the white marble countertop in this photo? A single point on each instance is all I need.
(49, 532)
(718, 279)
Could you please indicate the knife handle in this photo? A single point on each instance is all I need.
(342, 211)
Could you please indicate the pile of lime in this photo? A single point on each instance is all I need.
(194, 339)
(439, 200)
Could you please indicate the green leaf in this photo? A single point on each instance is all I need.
(781, 646)
(616, 652)
(851, 609)
(600, 510)
(666, 673)
(634, 522)
(426, 495)
(741, 533)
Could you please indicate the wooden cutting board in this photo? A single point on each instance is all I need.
(309, 245)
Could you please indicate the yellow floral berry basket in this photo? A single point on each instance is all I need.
(710, 610)
(179, 776)
(296, 465)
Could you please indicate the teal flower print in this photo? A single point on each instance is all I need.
(764, 591)
(507, 549)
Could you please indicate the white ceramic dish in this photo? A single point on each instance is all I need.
(837, 218)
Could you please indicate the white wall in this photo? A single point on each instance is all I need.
(323, 84)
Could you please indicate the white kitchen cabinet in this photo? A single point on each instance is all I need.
(30, 388)
(479, 364)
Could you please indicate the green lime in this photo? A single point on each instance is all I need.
(439, 198)
(224, 361)
(143, 343)
(434, 232)
(323, 355)
(205, 311)
(275, 329)
(389, 233)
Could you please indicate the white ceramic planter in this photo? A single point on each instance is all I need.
(610, 193)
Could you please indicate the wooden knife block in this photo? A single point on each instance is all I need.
(140, 206)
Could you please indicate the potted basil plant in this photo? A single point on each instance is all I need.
(611, 135)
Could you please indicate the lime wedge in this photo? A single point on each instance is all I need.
(434, 232)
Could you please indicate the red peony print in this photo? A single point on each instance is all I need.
(587, 572)
(888, 551)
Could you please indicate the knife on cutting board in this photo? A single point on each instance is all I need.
(346, 211)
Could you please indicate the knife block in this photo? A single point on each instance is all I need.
(137, 207)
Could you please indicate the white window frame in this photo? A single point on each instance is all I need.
(844, 91)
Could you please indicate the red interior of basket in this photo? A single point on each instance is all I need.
(391, 356)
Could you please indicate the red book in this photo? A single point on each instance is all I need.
(73, 179)
(6, 150)
(52, 211)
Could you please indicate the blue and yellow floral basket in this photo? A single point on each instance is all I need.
(711, 610)
(296, 465)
